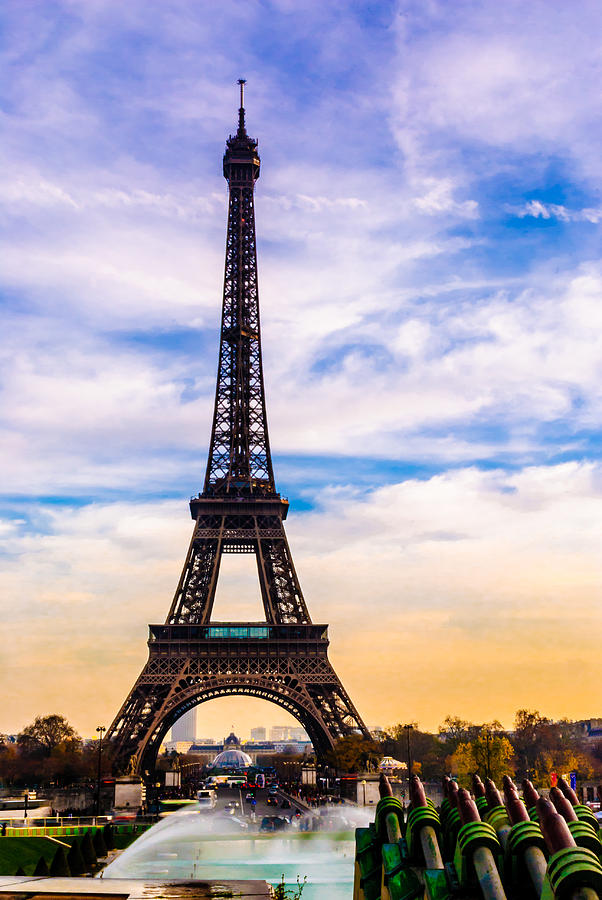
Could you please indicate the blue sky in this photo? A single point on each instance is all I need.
(428, 220)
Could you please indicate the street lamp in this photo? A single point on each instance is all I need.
(487, 740)
(408, 729)
(100, 731)
(364, 790)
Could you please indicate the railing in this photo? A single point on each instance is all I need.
(52, 821)
(72, 821)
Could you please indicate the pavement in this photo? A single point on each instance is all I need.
(31, 887)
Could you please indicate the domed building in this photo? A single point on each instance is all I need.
(232, 756)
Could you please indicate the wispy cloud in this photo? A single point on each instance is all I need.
(539, 210)
(509, 561)
(520, 86)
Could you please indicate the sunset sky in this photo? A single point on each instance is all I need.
(429, 217)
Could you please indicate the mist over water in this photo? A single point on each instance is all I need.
(196, 844)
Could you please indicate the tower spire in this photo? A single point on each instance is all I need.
(242, 131)
(239, 461)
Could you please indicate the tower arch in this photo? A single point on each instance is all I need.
(292, 700)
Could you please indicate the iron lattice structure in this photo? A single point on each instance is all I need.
(191, 658)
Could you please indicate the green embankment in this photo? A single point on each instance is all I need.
(33, 856)
(68, 850)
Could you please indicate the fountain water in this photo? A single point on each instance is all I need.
(193, 844)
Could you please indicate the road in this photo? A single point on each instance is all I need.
(227, 795)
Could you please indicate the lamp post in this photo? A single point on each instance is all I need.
(364, 790)
(487, 740)
(408, 729)
(100, 731)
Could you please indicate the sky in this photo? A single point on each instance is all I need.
(430, 267)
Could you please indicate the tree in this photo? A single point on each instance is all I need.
(534, 737)
(354, 753)
(543, 746)
(492, 752)
(46, 733)
(428, 750)
(9, 763)
(455, 731)
(562, 762)
(489, 755)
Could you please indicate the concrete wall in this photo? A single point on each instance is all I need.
(367, 792)
(75, 799)
(129, 794)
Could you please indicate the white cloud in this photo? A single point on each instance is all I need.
(538, 210)
(83, 412)
(509, 563)
(519, 83)
(438, 198)
(518, 361)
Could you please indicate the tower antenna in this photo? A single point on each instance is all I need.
(241, 112)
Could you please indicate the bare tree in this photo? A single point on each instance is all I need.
(46, 733)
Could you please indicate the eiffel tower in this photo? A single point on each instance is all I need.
(191, 658)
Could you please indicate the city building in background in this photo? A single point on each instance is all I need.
(293, 741)
(232, 756)
(288, 733)
(185, 728)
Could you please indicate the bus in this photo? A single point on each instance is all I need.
(236, 781)
(214, 780)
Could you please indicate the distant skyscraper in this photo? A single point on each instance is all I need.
(288, 733)
(258, 734)
(185, 728)
(278, 733)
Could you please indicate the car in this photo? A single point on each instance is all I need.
(336, 822)
(271, 801)
(119, 817)
(206, 798)
(232, 804)
(274, 823)
(286, 804)
(273, 789)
